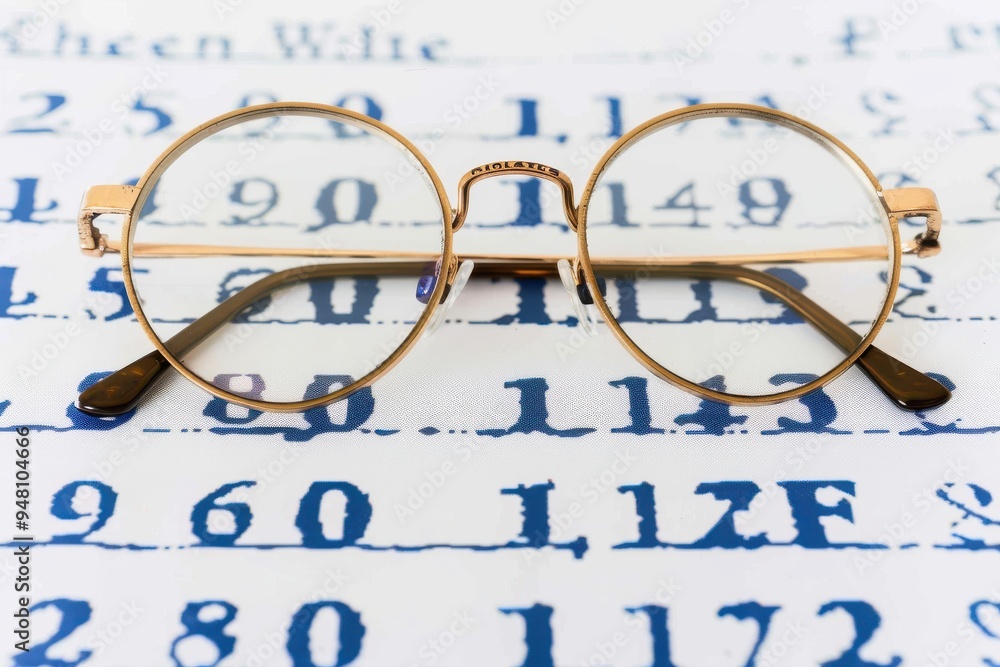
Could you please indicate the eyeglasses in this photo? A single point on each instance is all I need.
(732, 249)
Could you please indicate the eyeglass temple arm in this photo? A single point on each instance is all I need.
(121, 199)
(907, 387)
(122, 390)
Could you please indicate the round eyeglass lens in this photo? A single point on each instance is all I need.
(743, 253)
(283, 258)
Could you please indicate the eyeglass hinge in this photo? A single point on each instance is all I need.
(913, 203)
(98, 200)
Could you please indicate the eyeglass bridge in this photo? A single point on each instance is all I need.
(511, 168)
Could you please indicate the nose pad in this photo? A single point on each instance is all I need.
(577, 292)
(461, 278)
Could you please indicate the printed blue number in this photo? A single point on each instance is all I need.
(684, 200)
(994, 177)
(369, 107)
(759, 614)
(253, 192)
(240, 511)
(26, 203)
(638, 407)
(619, 206)
(227, 413)
(529, 203)
(24, 124)
(979, 617)
(614, 129)
(257, 129)
(360, 406)
(196, 620)
(535, 525)
(326, 203)
(109, 290)
(713, 417)
(988, 98)
(62, 508)
(349, 636)
(321, 297)
(660, 632)
(528, 109)
(357, 515)
(876, 103)
(645, 510)
(821, 408)
(160, 118)
(7, 300)
(773, 210)
(853, 34)
(866, 621)
(73, 614)
(534, 416)
(537, 633)
(230, 286)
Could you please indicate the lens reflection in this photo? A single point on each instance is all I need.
(311, 237)
(739, 254)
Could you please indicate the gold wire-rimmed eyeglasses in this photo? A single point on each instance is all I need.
(615, 258)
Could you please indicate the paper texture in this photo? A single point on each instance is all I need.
(514, 492)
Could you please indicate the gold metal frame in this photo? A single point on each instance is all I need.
(178, 148)
(121, 391)
(780, 118)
